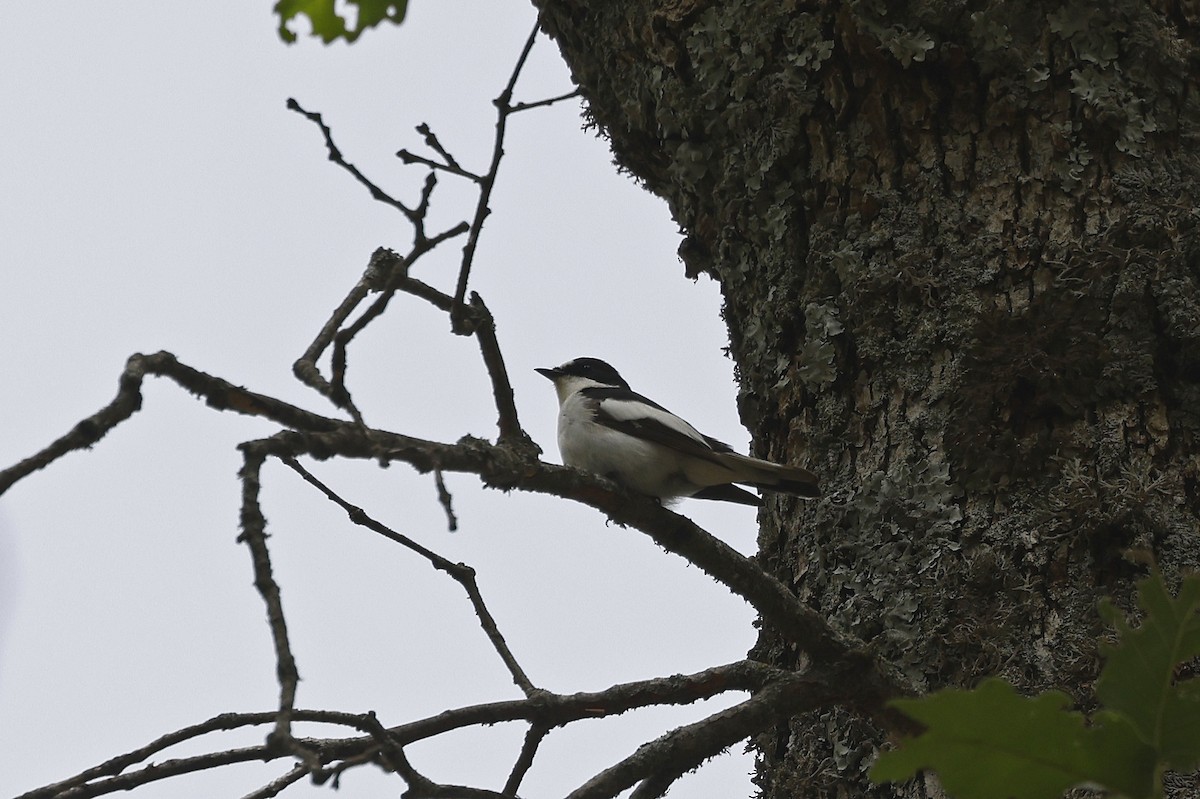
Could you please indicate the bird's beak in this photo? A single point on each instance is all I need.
(548, 373)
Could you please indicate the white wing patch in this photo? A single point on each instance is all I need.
(632, 411)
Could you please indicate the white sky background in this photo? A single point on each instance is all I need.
(158, 195)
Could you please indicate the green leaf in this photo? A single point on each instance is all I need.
(330, 25)
(991, 743)
(1138, 677)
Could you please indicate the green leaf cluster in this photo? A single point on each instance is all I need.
(992, 743)
(330, 25)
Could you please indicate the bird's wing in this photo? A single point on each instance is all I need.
(637, 416)
(634, 415)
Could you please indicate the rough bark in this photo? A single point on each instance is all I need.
(959, 246)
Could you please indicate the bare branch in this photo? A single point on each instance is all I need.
(87, 432)
(519, 107)
(533, 739)
(427, 193)
(409, 157)
(336, 156)
(659, 763)
(339, 394)
(511, 431)
(431, 295)
(226, 721)
(388, 269)
(153, 773)
(544, 708)
(448, 162)
(502, 467)
(273, 788)
(483, 326)
(507, 468)
(482, 211)
(217, 393)
(305, 367)
(463, 321)
(838, 670)
(384, 273)
(445, 500)
(254, 535)
(556, 710)
(463, 574)
(420, 786)
(431, 140)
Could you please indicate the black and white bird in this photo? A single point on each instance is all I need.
(606, 428)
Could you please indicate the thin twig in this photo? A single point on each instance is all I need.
(431, 141)
(445, 500)
(503, 109)
(383, 262)
(90, 430)
(557, 710)
(380, 269)
(478, 321)
(533, 739)
(337, 376)
(656, 785)
(225, 721)
(483, 325)
(662, 761)
(511, 431)
(463, 574)
(448, 163)
(254, 535)
(275, 786)
(427, 193)
(409, 157)
(305, 367)
(546, 709)
(392, 753)
(519, 107)
(336, 156)
(419, 786)
(158, 771)
(385, 271)
(217, 393)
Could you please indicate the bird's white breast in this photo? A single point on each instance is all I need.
(643, 466)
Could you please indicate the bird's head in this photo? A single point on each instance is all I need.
(582, 373)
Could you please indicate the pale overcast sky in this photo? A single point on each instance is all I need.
(158, 195)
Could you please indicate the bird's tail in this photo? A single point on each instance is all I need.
(776, 477)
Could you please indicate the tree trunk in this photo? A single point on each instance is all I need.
(960, 252)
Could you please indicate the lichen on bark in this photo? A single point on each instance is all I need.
(959, 248)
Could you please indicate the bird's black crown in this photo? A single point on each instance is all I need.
(595, 369)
